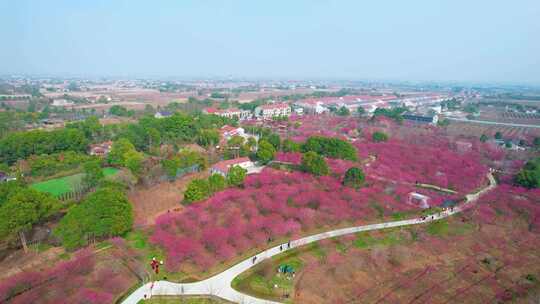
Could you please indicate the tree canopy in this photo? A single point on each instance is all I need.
(22, 208)
(20, 145)
(354, 177)
(330, 147)
(529, 176)
(104, 213)
(343, 111)
(379, 136)
(236, 176)
(314, 164)
(197, 190)
(266, 152)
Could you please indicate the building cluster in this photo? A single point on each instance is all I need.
(426, 106)
(267, 111)
(369, 103)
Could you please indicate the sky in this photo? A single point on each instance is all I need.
(434, 40)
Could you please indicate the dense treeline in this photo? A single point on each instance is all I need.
(395, 113)
(50, 164)
(148, 132)
(20, 145)
(330, 147)
(21, 208)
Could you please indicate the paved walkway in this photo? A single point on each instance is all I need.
(220, 284)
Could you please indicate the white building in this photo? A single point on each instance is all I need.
(223, 167)
(61, 103)
(162, 114)
(230, 113)
(268, 111)
(312, 106)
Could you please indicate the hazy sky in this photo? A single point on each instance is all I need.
(479, 40)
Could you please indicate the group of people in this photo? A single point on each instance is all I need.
(254, 259)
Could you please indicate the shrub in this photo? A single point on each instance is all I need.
(379, 136)
(197, 189)
(314, 164)
(354, 177)
(236, 175)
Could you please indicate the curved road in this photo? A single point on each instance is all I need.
(220, 284)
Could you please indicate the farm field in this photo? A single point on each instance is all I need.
(149, 203)
(485, 255)
(471, 129)
(67, 184)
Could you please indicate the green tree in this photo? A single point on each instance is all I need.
(290, 146)
(379, 136)
(266, 152)
(498, 135)
(273, 139)
(483, 138)
(314, 164)
(354, 177)
(529, 176)
(93, 173)
(118, 150)
(216, 182)
(331, 147)
(133, 161)
(236, 176)
(197, 189)
(360, 110)
(154, 137)
(536, 142)
(343, 111)
(104, 213)
(208, 137)
(120, 111)
(23, 209)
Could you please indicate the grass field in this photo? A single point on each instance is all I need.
(63, 185)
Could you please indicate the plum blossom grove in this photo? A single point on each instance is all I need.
(273, 204)
(83, 279)
(435, 165)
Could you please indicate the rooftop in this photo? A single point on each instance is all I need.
(224, 166)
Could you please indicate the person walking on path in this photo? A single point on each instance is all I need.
(289, 244)
(280, 247)
(254, 259)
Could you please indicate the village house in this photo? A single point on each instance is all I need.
(268, 111)
(227, 132)
(223, 167)
(229, 113)
(421, 118)
(101, 149)
(162, 114)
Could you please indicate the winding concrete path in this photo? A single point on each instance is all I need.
(220, 284)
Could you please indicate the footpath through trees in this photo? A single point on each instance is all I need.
(220, 284)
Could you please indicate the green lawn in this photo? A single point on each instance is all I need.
(66, 184)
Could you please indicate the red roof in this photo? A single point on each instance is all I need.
(210, 110)
(224, 166)
(272, 106)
